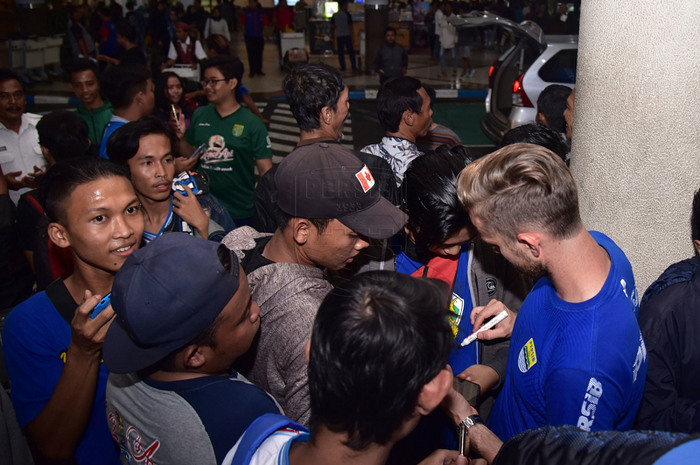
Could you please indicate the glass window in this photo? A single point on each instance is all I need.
(560, 68)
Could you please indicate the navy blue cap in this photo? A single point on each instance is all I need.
(164, 295)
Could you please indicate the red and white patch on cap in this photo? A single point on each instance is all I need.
(366, 179)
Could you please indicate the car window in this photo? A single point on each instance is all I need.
(560, 68)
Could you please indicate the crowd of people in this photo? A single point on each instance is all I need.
(187, 312)
(165, 31)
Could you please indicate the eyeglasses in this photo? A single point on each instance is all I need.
(213, 82)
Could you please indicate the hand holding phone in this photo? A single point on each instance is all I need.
(101, 305)
(199, 151)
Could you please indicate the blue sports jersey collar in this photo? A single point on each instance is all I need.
(148, 237)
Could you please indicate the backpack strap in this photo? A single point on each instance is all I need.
(58, 294)
(257, 432)
(34, 202)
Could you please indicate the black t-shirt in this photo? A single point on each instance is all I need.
(133, 56)
(254, 259)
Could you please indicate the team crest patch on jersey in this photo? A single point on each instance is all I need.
(527, 357)
(237, 130)
(456, 312)
(491, 286)
(365, 177)
(3, 148)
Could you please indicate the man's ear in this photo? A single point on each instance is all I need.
(48, 157)
(326, 116)
(193, 356)
(139, 98)
(696, 243)
(59, 235)
(432, 393)
(233, 83)
(540, 118)
(407, 118)
(302, 230)
(533, 243)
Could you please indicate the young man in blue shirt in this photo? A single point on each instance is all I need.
(576, 354)
(52, 348)
(147, 147)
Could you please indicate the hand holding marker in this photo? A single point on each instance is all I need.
(490, 324)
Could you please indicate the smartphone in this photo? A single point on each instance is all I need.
(101, 305)
(175, 115)
(199, 150)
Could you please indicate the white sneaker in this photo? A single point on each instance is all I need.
(471, 73)
(463, 77)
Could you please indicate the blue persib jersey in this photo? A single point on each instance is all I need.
(461, 306)
(580, 364)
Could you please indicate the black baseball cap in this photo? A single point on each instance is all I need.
(327, 181)
(164, 295)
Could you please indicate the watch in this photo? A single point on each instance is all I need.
(471, 421)
(463, 431)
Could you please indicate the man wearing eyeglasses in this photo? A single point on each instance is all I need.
(235, 140)
(20, 155)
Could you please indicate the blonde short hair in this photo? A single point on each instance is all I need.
(521, 186)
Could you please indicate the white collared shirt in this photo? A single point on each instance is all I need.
(198, 50)
(21, 152)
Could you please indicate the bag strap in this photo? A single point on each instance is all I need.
(257, 432)
(58, 294)
(34, 202)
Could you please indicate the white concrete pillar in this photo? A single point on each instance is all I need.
(636, 130)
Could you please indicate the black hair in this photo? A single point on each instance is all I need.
(389, 28)
(64, 134)
(84, 64)
(229, 67)
(552, 103)
(130, 5)
(104, 11)
(695, 217)
(308, 89)
(124, 143)
(396, 96)
(122, 83)
(7, 74)
(127, 31)
(162, 102)
(377, 339)
(539, 135)
(63, 178)
(431, 94)
(283, 220)
(432, 205)
(220, 45)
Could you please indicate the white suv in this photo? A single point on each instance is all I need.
(517, 78)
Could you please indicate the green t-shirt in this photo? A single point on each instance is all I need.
(234, 143)
(96, 120)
